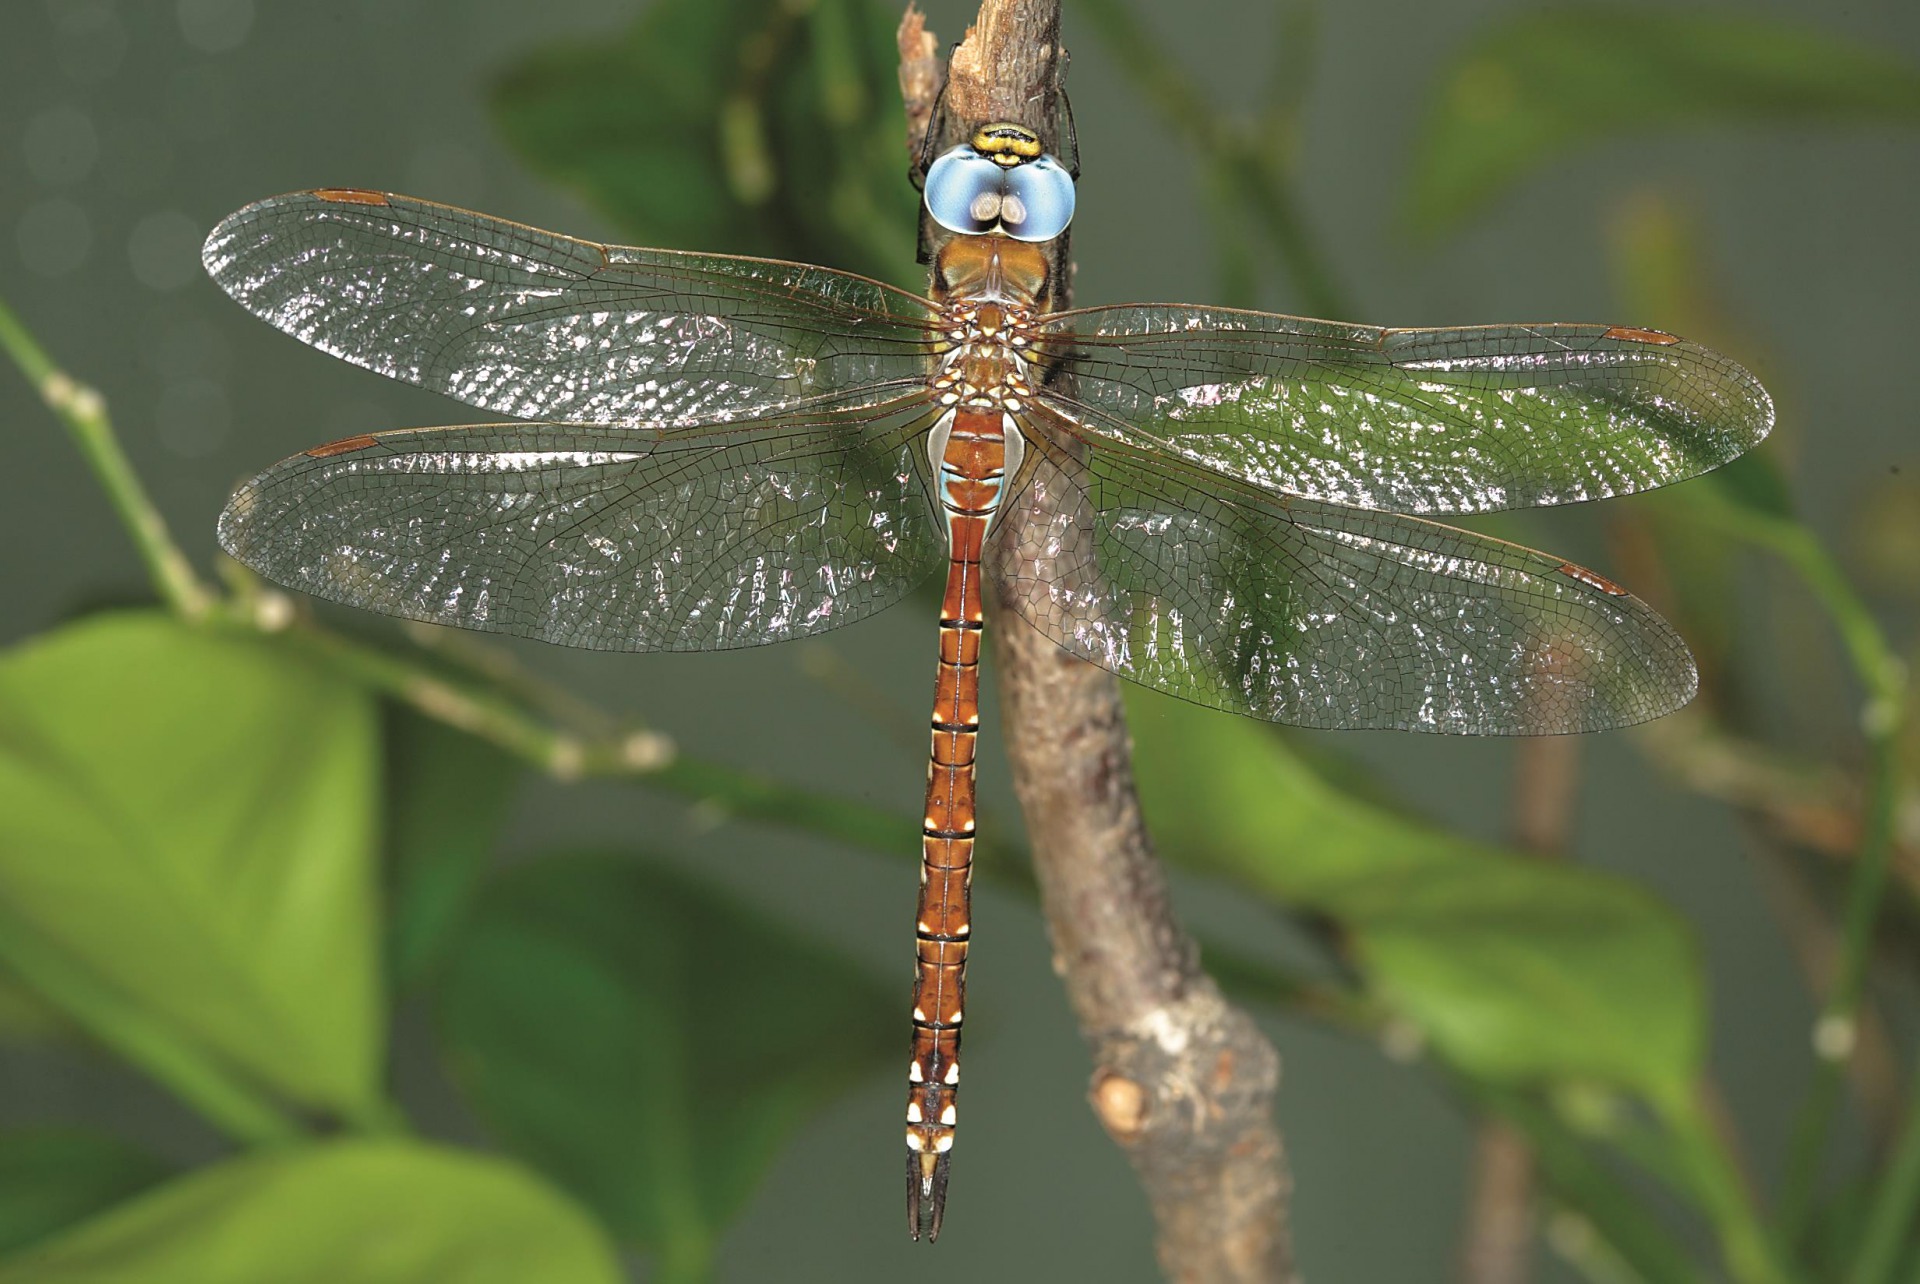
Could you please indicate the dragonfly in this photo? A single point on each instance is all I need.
(1234, 507)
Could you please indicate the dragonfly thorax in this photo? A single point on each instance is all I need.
(985, 365)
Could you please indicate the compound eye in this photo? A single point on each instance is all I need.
(1038, 203)
(963, 191)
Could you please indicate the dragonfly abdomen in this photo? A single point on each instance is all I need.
(971, 451)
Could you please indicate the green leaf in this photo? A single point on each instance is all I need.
(52, 1178)
(744, 126)
(186, 853)
(1541, 84)
(1519, 971)
(27, 1018)
(358, 1212)
(447, 796)
(650, 1044)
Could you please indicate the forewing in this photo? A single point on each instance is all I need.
(1468, 420)
(614, 539)
(1317, 614)
(523, 322)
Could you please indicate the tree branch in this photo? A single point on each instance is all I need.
(1183, 1081)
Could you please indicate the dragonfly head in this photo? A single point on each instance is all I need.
(1000, 181)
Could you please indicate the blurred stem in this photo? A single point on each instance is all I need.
(1883, 676)
(1498, 1245)
(648, 757)
(1814, 936)
(1809, 804)
(1569, 1166)
(1234, 271)
(1891, 1218)
(1294, 66)
(1751, 1255)
(1263, 183)
(84, 413)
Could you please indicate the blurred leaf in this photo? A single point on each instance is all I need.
(744, 126)
(362, 1212)
(1521, 971)
(648, 1043)
(186, 844)
(447, 796)
(51, 1179)
(1536, 86)
(25, 1017)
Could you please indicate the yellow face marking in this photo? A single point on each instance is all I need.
(1006, 143)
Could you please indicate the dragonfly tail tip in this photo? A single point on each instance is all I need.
(926, 1193)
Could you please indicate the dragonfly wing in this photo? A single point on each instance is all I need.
(609, 538)
(1317, 614)
(1467, 420)
(524, 322)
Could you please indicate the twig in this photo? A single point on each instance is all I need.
(83, 411)
(1182, 1081)
(1811, 805)
(1498, 1247)
(922, 73)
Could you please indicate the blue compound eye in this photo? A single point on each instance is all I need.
(1038, 202)
(963, 191)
